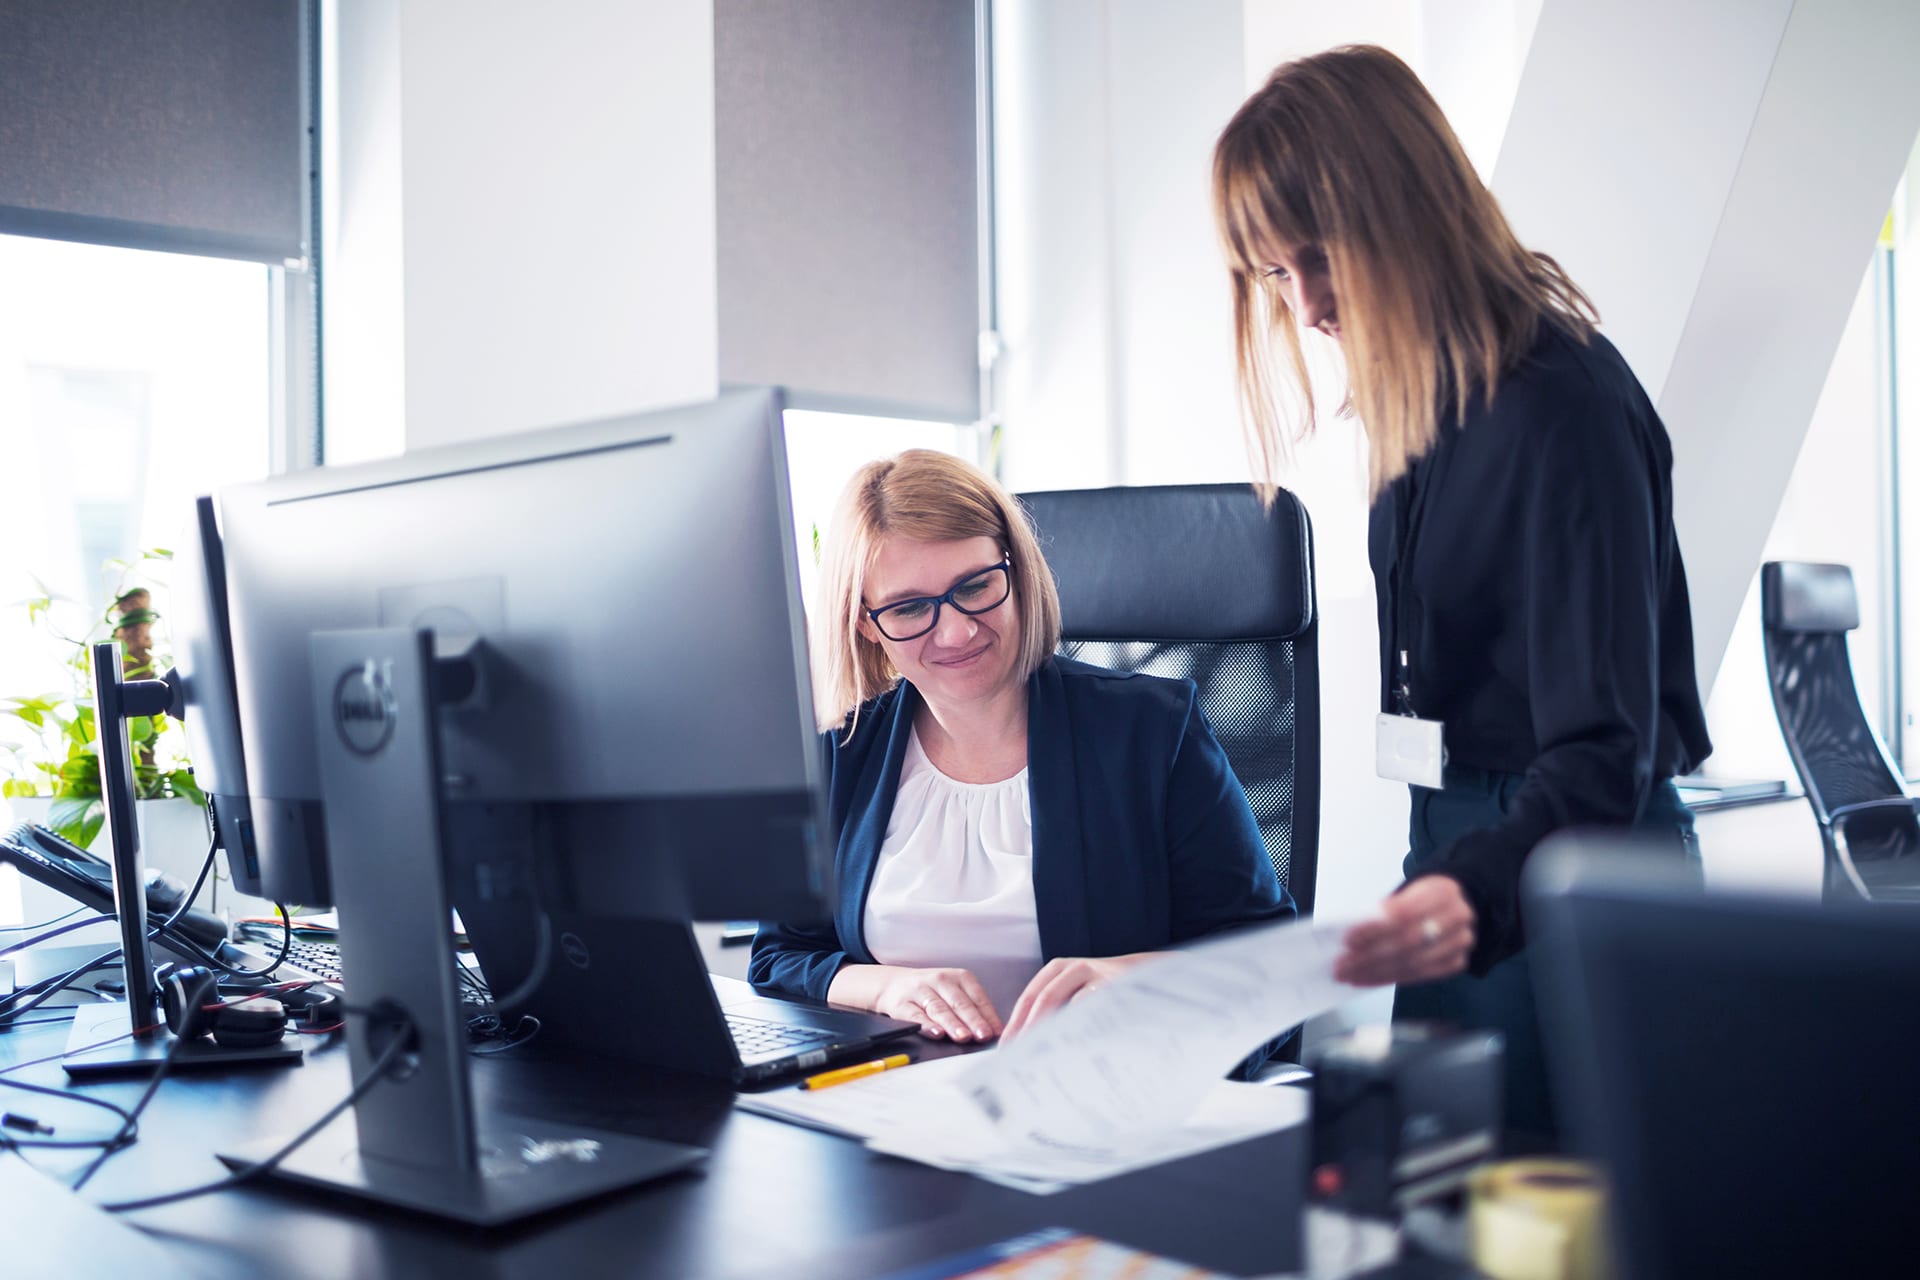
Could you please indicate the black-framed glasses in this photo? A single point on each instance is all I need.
(979, 592)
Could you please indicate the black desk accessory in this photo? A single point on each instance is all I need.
(66, 868)
(1400, 1114)
(415, 1140)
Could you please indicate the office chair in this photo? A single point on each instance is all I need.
(1867, 820)
(1199, 581)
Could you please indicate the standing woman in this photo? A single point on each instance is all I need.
(1533, 608)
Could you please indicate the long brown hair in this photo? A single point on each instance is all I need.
(927, 497)
(1437, 299)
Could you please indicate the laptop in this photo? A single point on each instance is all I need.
(638, 990)
(1743, 1067)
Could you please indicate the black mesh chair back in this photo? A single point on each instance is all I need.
(1866, 817)
(1199, 581)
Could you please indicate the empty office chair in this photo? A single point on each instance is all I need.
(1867, 819)
(1199, 581)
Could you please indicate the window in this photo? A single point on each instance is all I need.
(824, 449)
(130, 383)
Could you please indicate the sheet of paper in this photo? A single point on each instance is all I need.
(1228, 1113)
(1129, 1075)
(920, 1113)
(1137, 1055)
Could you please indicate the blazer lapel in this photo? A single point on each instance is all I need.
(860, 841)
(1060, 888)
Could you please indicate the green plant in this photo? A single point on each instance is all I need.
(58, 757)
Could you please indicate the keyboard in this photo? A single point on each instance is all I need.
(756, 1037)
(322, 960)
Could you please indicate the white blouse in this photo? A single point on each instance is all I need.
(953, 885)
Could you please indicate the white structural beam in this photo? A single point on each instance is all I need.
(1714, 174)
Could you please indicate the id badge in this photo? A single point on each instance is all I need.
(1410, 750)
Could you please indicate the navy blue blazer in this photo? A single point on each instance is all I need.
(1142, 836)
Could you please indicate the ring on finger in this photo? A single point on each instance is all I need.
(1430, 930)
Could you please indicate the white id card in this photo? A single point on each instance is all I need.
(1409, 750)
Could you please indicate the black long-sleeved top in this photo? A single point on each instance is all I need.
(1547, 609)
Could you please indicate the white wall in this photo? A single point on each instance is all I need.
(552, 178)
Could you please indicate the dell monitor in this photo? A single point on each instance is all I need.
(1741, 1064)
(633, 589)
(557, 681)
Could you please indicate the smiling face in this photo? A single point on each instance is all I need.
(1304, 280)
(964, 659)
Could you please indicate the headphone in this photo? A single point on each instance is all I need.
(190, 999)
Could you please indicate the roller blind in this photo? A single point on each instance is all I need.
(154, 124)
(846, 186)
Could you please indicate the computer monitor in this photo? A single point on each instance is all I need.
(634, 590)
(1742, 1066)
(203, 671)
(558, 681)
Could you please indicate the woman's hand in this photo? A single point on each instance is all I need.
(947, 1003)
(1061, 980)
(1425, 932)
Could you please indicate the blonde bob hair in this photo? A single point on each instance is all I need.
(1346, 150)
(927, 497)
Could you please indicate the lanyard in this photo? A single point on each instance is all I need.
(1409, 504)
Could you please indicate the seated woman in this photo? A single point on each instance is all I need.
(1013, 827)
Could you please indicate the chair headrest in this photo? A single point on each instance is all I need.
(1795, 596)
(1177, 562)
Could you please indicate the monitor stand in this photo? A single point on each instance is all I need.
(413, 1139)
(129, 1037)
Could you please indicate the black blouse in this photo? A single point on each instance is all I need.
(1546, 612)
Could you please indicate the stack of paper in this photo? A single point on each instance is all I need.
(1126, 1076)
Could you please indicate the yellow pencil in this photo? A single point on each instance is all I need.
(827, 1079)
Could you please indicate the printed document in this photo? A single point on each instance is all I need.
(1128, 1075)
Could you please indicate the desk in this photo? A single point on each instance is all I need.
(774, 1200)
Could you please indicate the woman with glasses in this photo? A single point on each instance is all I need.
(1536, 643)
(1013, 827)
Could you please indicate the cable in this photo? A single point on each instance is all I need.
(44, 990)
(542, 955)
(206, 865)
(23, 928)
(130, 1126)
(386, 1059)
(286, 949)
(39, 938)
(487, 1026)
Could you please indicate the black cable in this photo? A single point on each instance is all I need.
(542, 958)
(520, 1034)
(24, 928)
(39, 938)
(286, 949)
(386, 1059)
(47, 988)
(40, 1022)
(127, 1118)
(206, 865)
(130, 1127)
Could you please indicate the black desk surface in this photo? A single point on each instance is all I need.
(773, 1200)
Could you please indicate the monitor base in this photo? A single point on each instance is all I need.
(526, 1167)
(99, 1046)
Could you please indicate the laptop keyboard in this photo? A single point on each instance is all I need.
(756, 1037)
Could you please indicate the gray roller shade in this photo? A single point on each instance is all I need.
(154, 124)
(846, 163)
